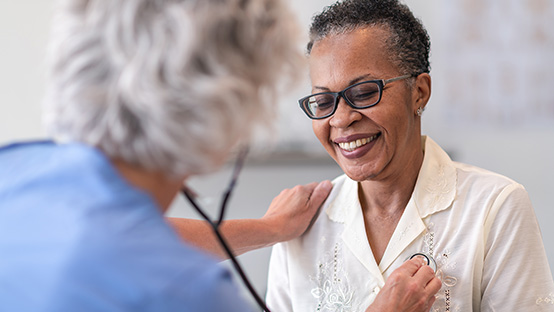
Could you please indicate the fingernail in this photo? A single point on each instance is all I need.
(422, 259)
(327, 184)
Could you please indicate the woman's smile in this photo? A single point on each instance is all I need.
(353, 147)
(373, 143)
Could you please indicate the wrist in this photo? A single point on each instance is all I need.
(273, 230)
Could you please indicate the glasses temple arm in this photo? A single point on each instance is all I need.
(398, 78)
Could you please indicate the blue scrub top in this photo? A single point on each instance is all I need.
(75, 236)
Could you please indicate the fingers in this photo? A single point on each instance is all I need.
(295, 209)
(411, 287)
(412, 266)
(434, 285)
(422, 273)
(425, 276)
(320, 192)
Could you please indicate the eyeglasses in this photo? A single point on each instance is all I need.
(191, 196)
(360, 95)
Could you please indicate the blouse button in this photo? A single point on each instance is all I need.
(376, 290)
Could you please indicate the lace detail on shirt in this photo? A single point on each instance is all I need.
(429, 239)
(439, 187)
(333, 290)
(546, 300)
(444, 264)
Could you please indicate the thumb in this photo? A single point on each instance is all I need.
(320, 192)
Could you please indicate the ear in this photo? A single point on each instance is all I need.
(421, 91)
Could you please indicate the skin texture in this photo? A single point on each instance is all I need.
(410, 288)
(387, 168)
(287, 217)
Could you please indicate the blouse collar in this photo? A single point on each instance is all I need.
(435, 191)
(435, 188)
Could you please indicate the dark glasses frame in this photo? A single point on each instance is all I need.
(381, 83)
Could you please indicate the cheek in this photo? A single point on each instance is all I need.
(321, 131)
(396, 117)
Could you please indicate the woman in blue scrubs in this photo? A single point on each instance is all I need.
(142, 95)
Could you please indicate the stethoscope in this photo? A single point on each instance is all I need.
(215, 224)
(430, 260)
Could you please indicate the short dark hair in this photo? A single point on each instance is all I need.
(409, 41)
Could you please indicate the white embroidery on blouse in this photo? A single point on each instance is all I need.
(333, 291)
(405, 231)
(439, 187)
(444, 264)
(546, 300)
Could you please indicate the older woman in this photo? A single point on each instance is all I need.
(143, 94)
(401, 195)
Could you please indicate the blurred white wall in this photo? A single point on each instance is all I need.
(522, 149)
(24, 28)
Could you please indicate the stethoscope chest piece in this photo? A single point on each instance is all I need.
(430, 261)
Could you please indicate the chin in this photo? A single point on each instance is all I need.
(358, 173)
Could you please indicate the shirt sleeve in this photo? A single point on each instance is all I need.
(214, 290)
(516, 274)
(278, 286)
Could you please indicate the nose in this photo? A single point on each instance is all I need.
(344, 116)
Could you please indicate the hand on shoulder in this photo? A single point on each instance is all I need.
(293, 210)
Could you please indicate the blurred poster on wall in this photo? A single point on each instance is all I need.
(498, 58)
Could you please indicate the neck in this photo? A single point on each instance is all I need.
(390, 195)
(158, 185)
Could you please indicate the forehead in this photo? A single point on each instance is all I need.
(338, 59)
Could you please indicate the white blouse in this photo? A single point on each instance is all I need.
(479, 227)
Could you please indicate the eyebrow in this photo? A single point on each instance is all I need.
(351, 82)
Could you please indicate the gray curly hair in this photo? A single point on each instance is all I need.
(408, 43)
(168, 85)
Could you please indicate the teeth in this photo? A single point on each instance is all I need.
(350, 146)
